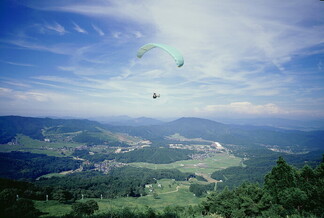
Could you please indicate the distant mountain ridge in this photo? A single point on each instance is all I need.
(231, 134)
(189, 127)
(140, 121)
(303, 125)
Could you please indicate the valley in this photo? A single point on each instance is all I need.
(175, 164)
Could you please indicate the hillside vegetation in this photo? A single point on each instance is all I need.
(286, 192)
(149, 155)
(187, 167)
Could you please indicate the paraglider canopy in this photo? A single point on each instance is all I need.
(170, 50)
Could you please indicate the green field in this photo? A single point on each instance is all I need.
(52, 208)
(206, 166)
(177, 194)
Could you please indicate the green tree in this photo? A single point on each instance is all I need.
(297, 192)
(87, 208)
(307, 183)
(62, 196)
(319, 187)
(219, 203)
(281, 177)
(22, 208)
(7, 198)
(93, 205)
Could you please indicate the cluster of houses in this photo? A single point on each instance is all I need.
(276, 148)
(108, 165)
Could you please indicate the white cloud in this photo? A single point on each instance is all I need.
(78, 28)
(27, 96)
(245, 108)
(138, 34)
(18, 64)
(320, 65)
(98, 30)
(65, 49)
(16, 83)
(116, 35)
(56, 27)
(4, 91)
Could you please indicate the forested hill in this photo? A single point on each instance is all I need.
(230, 134)
(10, 126)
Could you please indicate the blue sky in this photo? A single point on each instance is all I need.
(242, 58)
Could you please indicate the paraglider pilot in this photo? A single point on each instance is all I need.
(156, 95)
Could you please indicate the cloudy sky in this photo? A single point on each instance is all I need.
(252, 58)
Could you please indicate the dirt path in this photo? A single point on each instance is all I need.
(177, 189)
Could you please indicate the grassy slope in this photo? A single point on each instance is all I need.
(168, 196)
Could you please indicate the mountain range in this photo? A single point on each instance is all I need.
(188, 127)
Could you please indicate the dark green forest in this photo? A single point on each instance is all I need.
(25, 165)
(259, 161)
(286, 192)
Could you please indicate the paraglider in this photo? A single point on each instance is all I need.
(178, 58)
(156, 95)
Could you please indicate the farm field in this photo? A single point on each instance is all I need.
(206, 166)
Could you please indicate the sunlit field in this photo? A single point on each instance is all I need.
(206, 166)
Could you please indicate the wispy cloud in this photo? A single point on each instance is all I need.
(18, 64)
(78, 28)
(98, 30)
(15, 83)
(56, 27)
(138, 34)
(116, 35)
(65, 49)
(239, 56)
(245, 108)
